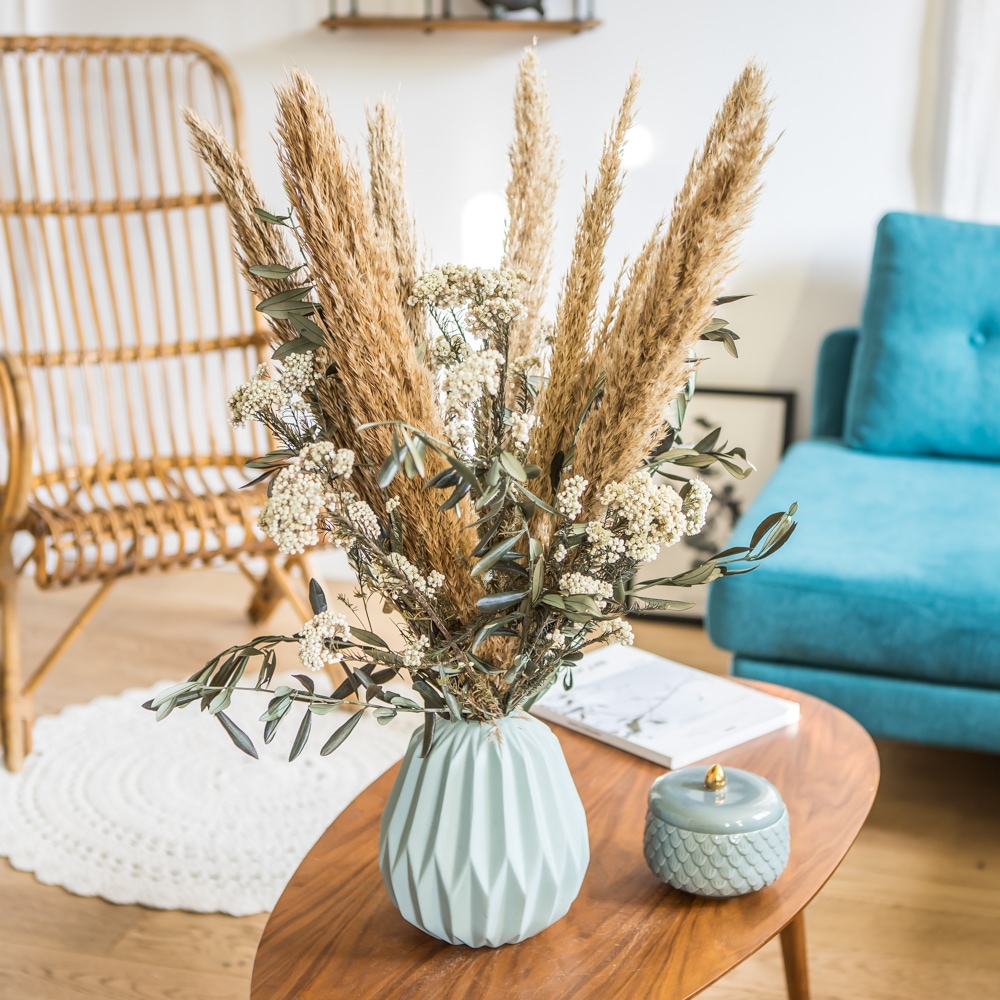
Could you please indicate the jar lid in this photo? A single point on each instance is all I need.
(733, 801)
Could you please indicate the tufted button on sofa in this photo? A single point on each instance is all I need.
(887, 600)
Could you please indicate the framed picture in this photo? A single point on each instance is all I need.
(760, 422)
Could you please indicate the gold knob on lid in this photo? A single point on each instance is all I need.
(715, 778)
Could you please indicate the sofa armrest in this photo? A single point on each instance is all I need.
(833, 372)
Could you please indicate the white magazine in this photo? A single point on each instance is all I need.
(661, 710)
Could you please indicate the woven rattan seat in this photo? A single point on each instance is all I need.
(74, 544)
(123, 324)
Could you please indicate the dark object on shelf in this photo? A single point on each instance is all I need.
(500, 8)
(432, 24)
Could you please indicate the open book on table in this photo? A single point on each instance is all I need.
(661, 710)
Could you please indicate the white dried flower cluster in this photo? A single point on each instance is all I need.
(461, 434)
(292, 512)
(327, 458)
(651, 514)
(568, 498)
(581, 583)
(520, 428)
(605, 547)
(489, 295)
(448, 350)
(363, 519)
(298, 372)
(696, 498)
(314, 650)
(401, 573)
(300, 493)
(559, 552)
(260, 395)
(617, 632)
(525, 364)
(466, 382)
(391, 504)
(443, 287)
(413, 654)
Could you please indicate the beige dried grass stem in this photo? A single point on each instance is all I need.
(260, 242)
(355, 276)
(255, 241)
(394, 222)
(531, 197)
(670, 298)
(562, 400)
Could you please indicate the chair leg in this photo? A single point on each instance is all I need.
(266, 597)
(15, 709)
(275, 586)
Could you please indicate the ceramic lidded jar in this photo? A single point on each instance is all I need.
(724, 833)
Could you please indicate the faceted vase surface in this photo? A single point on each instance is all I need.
(484, 841)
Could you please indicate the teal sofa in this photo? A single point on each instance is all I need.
(886, 601)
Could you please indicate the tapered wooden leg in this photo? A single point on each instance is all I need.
(793, 949)
(14, 711)
(267, 596)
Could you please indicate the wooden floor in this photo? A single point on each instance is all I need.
(912, 914)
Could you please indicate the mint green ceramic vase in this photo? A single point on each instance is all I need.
(484, 841)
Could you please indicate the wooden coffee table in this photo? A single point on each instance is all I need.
(334, 932)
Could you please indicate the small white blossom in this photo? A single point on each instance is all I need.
(300, 493)
(696, 497)
(617, 632)
(520, 428)
(413, 654)
(605, 547)
(568, 498)
(581, 583)
(324, 457)
(363, 518)
(314, 650)
(258, 396)
(292, 512)
(465, 383)
(559, 552)
(524, 364)
(402, 573)
(391, 504)
(298, 372)
(651, 515)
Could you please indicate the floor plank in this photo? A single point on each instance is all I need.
(912, 914)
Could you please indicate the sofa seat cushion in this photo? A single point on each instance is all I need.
(894, 568)
(926, 377)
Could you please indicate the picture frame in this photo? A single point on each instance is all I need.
(762, 422)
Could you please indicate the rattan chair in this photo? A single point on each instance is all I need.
(123, 324)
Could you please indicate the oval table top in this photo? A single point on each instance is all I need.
(628, 936)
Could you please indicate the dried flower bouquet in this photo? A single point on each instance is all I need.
(494, 478)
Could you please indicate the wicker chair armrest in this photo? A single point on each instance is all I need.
(15, 401)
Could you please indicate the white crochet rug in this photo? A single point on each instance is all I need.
(171, 814)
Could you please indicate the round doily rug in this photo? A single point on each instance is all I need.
(170, 814)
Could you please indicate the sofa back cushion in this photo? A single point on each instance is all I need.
(926, 375)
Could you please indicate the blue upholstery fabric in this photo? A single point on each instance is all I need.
(893, 570)
(926, 379)
(833, 373)
(964, 717)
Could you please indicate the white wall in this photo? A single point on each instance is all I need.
(851, 103)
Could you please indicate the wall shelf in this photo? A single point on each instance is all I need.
(431, 24)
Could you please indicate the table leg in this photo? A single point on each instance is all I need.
(793, 949)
